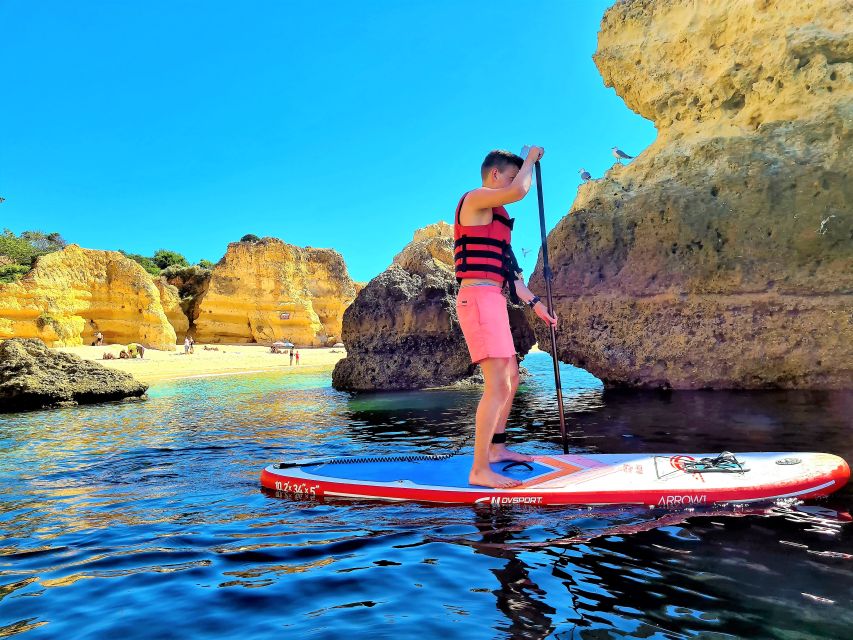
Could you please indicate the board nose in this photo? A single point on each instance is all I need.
(841, 473)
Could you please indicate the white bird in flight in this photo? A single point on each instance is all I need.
(585, 175)
(621, 155)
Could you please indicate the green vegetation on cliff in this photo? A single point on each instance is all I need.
(185, 272)
(17, 253)
(147, 263)
(12, 272)
(165, 260)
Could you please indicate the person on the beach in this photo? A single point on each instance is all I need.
(134, 349)
(291, 357)
(484, 264)
(99, 339)
(192, 344)
(186, 345)
(297, 357)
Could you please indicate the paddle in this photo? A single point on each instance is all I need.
(546, 271)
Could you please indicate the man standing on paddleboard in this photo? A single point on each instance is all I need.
(485, 263)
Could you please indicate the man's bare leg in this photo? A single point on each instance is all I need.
(499, 452)
(495, 394)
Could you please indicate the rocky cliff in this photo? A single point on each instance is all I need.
(270, 290)
(190, 284)
(402, 331)
(172, 307)
(70, 295)
(722, 257)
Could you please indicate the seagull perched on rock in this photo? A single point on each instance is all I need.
(585, 175)
(620, 155)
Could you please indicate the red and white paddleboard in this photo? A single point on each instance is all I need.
(666, 480)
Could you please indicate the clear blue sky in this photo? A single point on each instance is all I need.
(185, 125)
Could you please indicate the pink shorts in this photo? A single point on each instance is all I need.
(485, 322)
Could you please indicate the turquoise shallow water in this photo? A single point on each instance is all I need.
(146, 520)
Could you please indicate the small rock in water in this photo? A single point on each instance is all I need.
(34, 377)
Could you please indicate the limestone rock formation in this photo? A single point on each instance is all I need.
(191, 284)
(32, 377)
(172, 307)
(722, 257)
(70, 295)
(402, 331)
(430, 250)
(270, 290)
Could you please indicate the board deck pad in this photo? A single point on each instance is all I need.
(649, 479)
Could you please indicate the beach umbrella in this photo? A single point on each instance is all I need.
(286, 344)
(281, 344)
(338, 345)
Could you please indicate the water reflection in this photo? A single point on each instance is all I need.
(647, 573)
(519, 598)
(146, 520)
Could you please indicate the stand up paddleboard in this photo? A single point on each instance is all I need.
(662, 480)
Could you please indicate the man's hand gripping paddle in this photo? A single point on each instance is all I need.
(546, 271)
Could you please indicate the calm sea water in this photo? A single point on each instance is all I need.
(146, 520)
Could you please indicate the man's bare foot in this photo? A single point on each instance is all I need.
(488, 478)
(499, 453)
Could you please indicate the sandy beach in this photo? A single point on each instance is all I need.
(216, 360)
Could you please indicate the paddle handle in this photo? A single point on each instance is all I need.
(546, 269)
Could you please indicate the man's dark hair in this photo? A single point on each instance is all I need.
(499, 159)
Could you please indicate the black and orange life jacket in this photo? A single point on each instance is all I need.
(485, 250)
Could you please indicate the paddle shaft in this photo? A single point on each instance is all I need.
(549, 298)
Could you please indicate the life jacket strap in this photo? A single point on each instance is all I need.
(509, 269)
(512, 272)
(508, 222)
(491, 242)
(476, 253)
(459, 210)
(501, 271)
(464, 252)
